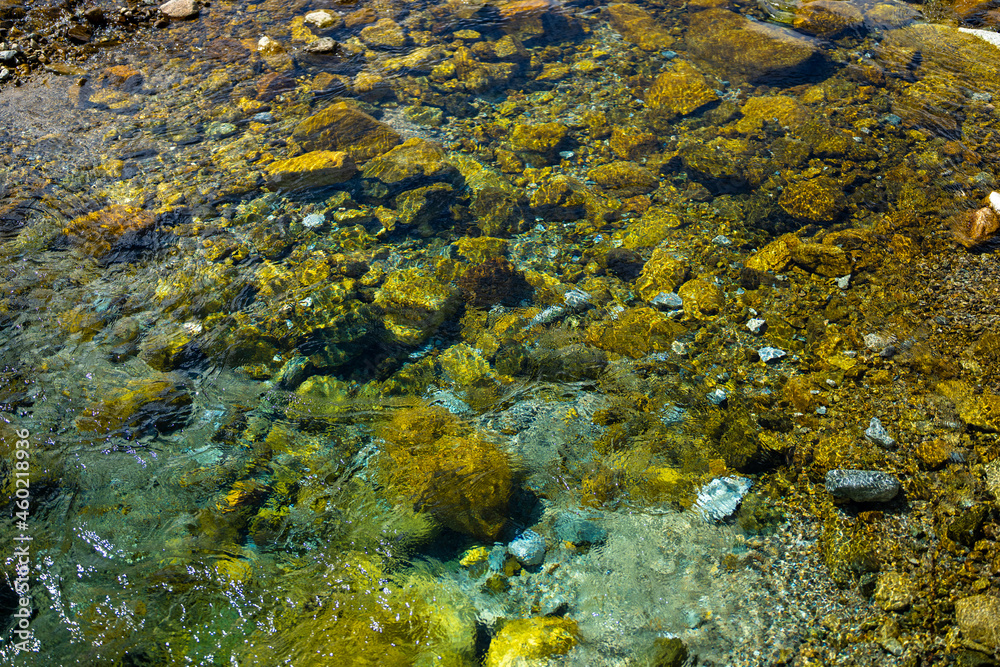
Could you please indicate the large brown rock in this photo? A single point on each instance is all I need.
(749, 50)
(344, 127)
(978, 618)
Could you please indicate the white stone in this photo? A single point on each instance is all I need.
(985, 35)
(179, 9)
(322, 19)
(995, 201)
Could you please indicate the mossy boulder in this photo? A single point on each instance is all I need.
(817, 200)
(414, 304)
(639, 27)
(679, 91)
(822, 259)
(629, 143)
(315, 169)
(99, 232)
(781, 109)
(561, 198)
(532, 642)
(385, 33)
(343, 127)
(495, 203)
(750, 50)
(650, 229)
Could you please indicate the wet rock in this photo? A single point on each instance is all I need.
(579, 528)
(703, 299)
(97, 233)
(624, 179)
(423, 207)
(323, 19)
(769, 354)
(414, 162)
(978, 617)
(669, 652)
(415, 305)
(636, 333)
(786, 111)
(495, 202)
(718, 499)
(877, 434)
(160, 402)
(624, 263)
(528, 548)
(385, 33)
(827, 18)
(775, 256)
(717, 396)
(495, 281)
(639, 27)
(560, 198)
(569, 363)
(275, 54)
(538, 143)
(894, 591)
(78, 34)
(632, 144)
(862, 486)
(667, 301)
(530, 19)
(680, 90)
(180, 9)
(822, 259)
(750, 50)
(818, 200)
(756, 325)
(532, 641)
(972, 228)
(662, 273)
(418, 61)
(315, 169)
(343, 127)
(720, 164)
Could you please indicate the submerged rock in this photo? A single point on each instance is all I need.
(862, 486)
(978, 618)
(679, 91)
(312, 170)
(343, 127)
(719, 498)
(528, 548)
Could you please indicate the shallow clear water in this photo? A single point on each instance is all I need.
(301, 337)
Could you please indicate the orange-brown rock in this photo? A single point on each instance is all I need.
(98, 231)
(344, 127)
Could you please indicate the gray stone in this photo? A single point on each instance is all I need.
(719, 498)
(862, 486)
(180, 9)
(579, 528)
(668, 300)
(844, 281)
(756, 326)
(722, 240)
(877, 434)
(717, 396)
(313, 220)
(528, 548)
(768, 354)
(497, 558)
(263, 117)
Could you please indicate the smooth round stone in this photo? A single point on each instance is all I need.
(528, 548)
(862, 486)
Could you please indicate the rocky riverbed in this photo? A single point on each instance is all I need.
(514, 332)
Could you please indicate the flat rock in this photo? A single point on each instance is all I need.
(680, 90)
(978, 618)
(315, 169)
(862, 486)
(180, 9)
(639, 27)
(344, 127)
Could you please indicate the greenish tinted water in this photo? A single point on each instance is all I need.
(305, 334)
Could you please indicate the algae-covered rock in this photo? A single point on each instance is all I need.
(703, 299)
(343, 127)
(632, 144)
(978, 618)
(826, 260)
(775, 256)
(160, 402)
(385, 33)
(827, 18)
(415, 161)
(719, 163)
(495, 281)
(97, 233)
(315, 169)
(415, 304)
(818, 200)
(781, 109)
(560, 198)
(680, 90)
(624, 179)
(635, 333)
(639, 27)
(423, 207)
(894, 591)
(662, 273)
(980, 410)
(650, 229)
(750, 50)
(495, 202)
(532, 641)
(538, 142)
(460, 479)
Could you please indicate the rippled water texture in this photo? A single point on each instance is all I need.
(507, 332)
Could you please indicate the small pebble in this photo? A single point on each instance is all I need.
(722, 240)
(756, 325)
(313, 221)
(717, 396)
(669, 300)
(844, 281)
